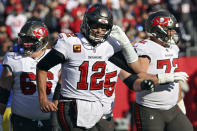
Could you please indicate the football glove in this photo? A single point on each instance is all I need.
(172, 77)
(148, 85)
(127, 49)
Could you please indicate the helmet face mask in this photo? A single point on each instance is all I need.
(33, 37)
(160, 25)
(94, 35)
(97, 16)
(27, 45)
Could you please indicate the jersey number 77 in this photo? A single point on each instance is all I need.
(169, 64)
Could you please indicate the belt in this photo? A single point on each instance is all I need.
(62, 98)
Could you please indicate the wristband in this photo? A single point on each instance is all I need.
(130, 80)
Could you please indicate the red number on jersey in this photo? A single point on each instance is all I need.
(142, 42)
(82, 84)
(175, 63)
(95, 76)
(168, 63)
(49, 83)
(109, 86)
(28, 87)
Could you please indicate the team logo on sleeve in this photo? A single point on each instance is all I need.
(77, 48)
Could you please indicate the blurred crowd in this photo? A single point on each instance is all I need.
(66, 16)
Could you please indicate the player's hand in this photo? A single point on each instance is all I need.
(55, 102)
(119, 35)
(127, 49)
(180, 76)
(148, 85)
(47, 106)
(172, 77)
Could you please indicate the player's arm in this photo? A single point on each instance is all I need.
(50, 60)
(135, 83)
(119, 60)
(127, 49)
(6, 81)
(161, 78)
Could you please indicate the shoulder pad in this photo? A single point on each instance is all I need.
(142, 47)
(13, 55)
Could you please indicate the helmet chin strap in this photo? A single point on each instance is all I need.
(96, 39)
(171, 42)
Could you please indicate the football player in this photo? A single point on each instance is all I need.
(19, 75)
(83, 57)
(158, 110)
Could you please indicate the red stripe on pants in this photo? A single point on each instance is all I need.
(137, 117)
(61, 115)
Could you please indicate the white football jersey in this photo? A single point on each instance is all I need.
(83, 73)
(162, 60)
(111, 77)
(25, 101)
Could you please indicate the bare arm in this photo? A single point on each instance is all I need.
(143, 67)
(41, 83)
(135, 83)
(140, 66)
(45, 104)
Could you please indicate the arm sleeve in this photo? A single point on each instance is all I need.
(119, 60)
(62, 45)
(51, 59)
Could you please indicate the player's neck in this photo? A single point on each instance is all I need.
(37, 55)
(159, 42)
